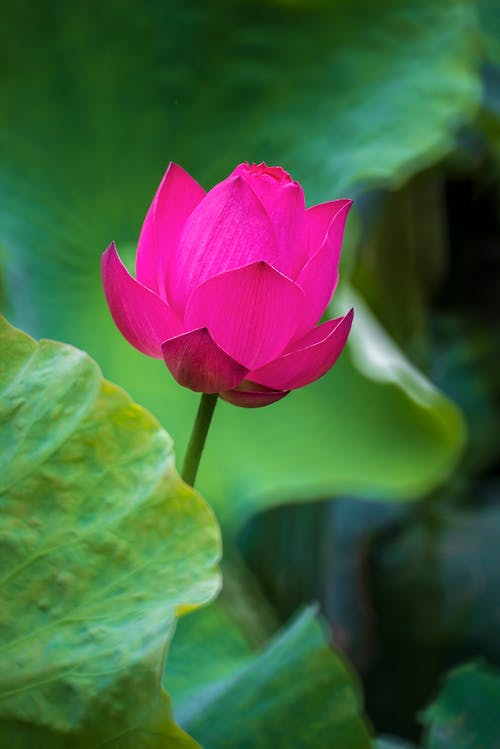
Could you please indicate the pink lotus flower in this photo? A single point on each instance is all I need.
(232, 283)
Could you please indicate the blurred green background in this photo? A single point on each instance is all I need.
(395, 104)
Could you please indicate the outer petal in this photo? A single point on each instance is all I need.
(284, 202)
(320, 275)
(251, 312)
(320, 219)
(176, 198)
(198, 363)
(310, 358)
(141, 316)
(229, 228)
(248, 395)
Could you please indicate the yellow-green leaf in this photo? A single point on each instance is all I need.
(101, 547)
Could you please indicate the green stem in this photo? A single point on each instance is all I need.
(198, 437)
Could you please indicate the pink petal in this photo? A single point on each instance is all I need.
(176, 198)
(251, 312)
(198, 363)
(248, 395)
(141, 316)
(320, 274)
(228, 229)
(319, 221)
(284, 202)
(310, 358)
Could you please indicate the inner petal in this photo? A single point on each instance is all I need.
(251, 312)
(228, 229)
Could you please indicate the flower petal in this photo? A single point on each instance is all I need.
(251, 312)
(284, 202)
(310, 358)
(141, 316)
(320, 275)
(176, 198)
(248, 395)
(198, 363)
(228, 229)
(320, 219)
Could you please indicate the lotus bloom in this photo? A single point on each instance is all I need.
(230, 284)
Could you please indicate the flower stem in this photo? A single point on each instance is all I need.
(198, 437)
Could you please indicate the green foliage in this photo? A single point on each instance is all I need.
(209, 647)
(465, 713)
(489, 17)
(297, 692)
(96, 98)
(345, 95)
(101, 547)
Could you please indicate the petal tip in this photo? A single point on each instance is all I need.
(110, 249)
(347, 206)
(109, 257)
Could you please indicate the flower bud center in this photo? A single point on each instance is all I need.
(276, 172)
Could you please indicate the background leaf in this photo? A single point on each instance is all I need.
(345, 95)
(297, 692)
(208, 648)
(465, 713)
(101, 547)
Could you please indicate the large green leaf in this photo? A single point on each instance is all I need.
(297, 692)
(465, 713)
(343, 92)
(97, 98)
(102, 546)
